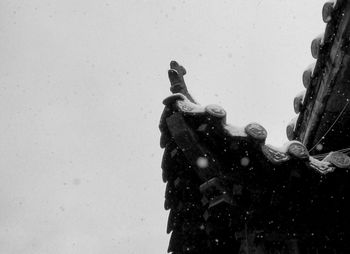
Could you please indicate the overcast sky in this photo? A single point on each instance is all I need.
(81, 86)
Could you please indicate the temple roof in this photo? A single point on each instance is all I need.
(323, 123)
(210, 121)
(222, 178)
(227, 188)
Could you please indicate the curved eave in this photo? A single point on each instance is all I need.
(185, 120)
(328, 76)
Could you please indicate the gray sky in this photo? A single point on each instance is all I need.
(81, 85)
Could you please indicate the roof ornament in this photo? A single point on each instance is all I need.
(222, 179)
(228, 191)
(327, 11)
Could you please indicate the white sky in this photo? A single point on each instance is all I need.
(81, 86)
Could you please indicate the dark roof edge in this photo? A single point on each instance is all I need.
(329, 59)
(255, 133)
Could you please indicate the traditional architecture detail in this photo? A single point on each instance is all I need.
(230, 192)
(338, 159)
(327, 84)
(212, 118)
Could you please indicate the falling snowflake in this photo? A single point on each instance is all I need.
(319, 147)
(245, 161)
(202, 162)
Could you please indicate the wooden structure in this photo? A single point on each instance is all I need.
(327, 84)
(229, 192)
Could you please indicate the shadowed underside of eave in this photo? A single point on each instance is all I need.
(229, 192)
(226, 188)
(323, 120)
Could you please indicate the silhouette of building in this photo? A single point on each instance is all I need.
(229, 192)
